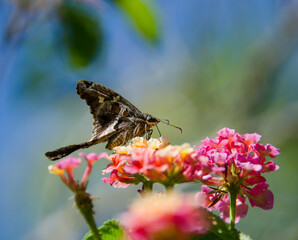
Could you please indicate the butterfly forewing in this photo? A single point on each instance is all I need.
(106, 106)
(94, 94)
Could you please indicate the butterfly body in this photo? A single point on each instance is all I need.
(116, 120)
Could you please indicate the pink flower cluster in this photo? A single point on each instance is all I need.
(234, 162)
(165, 217)
(151, 161)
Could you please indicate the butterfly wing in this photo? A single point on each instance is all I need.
(64, 151)
(114, 118)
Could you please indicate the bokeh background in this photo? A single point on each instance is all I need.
(202, 64)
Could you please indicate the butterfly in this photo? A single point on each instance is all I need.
(116, 120)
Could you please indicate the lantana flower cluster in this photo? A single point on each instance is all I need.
(230, 166)
(151, 161)
(238, 162)
(174, 216)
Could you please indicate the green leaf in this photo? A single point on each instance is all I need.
(142, 17)
(110, 230)
(82, 32)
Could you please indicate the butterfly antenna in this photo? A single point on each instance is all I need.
(158, 130)
(168, 123)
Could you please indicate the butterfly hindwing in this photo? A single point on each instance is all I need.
(64, 151)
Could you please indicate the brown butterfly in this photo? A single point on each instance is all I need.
(116, 120)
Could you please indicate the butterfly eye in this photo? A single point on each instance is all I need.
(151, 119)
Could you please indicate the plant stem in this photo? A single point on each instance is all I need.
(84, 204)
(148, 187)
(169, 188)
(91, 223)
(232, 197)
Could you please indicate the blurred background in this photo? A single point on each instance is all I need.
(202, 64)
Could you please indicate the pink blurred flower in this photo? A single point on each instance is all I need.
(237, 163)
(152, 161)
(165, 217)
(83, 200)
(68, 164)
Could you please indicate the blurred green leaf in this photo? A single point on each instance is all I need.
(82, 32)
(244, 237)
(110, 230)
(142, 17)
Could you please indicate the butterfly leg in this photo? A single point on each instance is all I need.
(158, 131)
(135, 131)
(126, 137)
(146, 132)
(149, 133)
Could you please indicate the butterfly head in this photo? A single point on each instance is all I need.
(150, 120)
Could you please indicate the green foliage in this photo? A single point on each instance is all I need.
(109, 231)
(142, 17)
(82, 32)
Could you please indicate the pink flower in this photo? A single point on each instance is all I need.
(236, 163)
(152, 161)
(118, 181)
(54, 170)
(165, 217)
(90, 158)
(68, 164)
(261, 196)
(268, 150)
